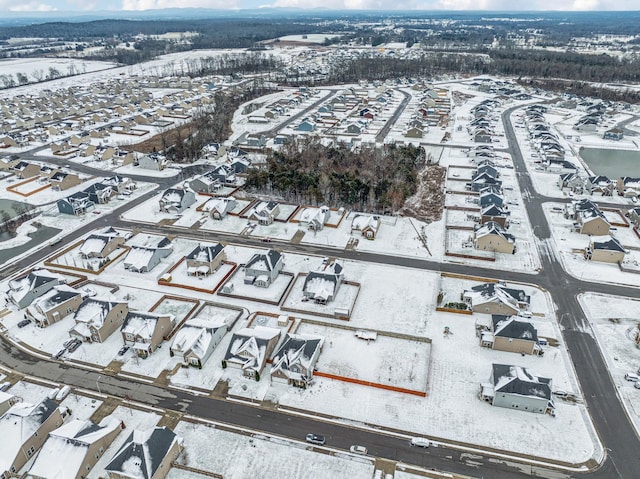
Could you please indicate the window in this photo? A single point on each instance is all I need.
(30, 451)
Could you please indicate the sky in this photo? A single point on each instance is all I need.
(133, 5)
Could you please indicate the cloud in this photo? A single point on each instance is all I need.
(159, 4)
(31, 6)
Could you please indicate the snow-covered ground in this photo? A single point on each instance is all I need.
(35, 68)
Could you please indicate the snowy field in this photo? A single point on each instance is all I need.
(38, 68)
(210, 448)
(615, 323)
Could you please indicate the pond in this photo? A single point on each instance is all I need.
(13, 208)
(612, 163)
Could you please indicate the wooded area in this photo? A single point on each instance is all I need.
(369, 179)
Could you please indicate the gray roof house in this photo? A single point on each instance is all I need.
(146, 331)
(218, 208)
(265, 212)
(511, 334)
(322, 285)
(176, 200)
(23, 290)
(295, 360)
(96, 319)
(146, 255)
(72, 450)
(145, 455)
(516, 387)
(153, 161)
(24, 428)
(263, 268)
(54, 305)
(250, 348)
(196, 340)
(205, 259)
(496, 298)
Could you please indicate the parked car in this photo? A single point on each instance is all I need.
(358, 449)
(60, 353)
(23, 323)
(123, 350)
(5, 385)
(632, 377)
(316, 439)
(420, 442)
(73, 345)
(637, 385)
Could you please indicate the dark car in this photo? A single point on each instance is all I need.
(316, 439)
(59, 354)
(23, 323)
(73, 345)
(123, 350)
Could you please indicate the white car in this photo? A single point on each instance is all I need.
(632, 377)
(358, 449)
(420, 442)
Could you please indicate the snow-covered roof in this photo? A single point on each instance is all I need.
(519, 381)
(140, 324)
(298, 350)
(248, 346)
(142, 453)
(205, 253)
(64, 452)
(20, 287)
(138, 258)
(18, 424)
(94, 311)
(264, 261)
(54, 297)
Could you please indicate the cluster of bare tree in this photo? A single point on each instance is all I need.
(9, 224)
(367, 179)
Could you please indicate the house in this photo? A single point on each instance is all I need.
(100, 193)
(265, 212)
(24, 428)
(496, 214)
(490, 198)
(61, 181)
(74, 448)
(76, 204)
(571, 182)
(102, 244)
(7, 400)
(605, 249)
(315, 218)
(307, 125)
(600, 185)
(145, 455)
(145, 331)
(54, 305)
(23, 290)
(294, 362)
(496, 298)
(322, 285)
(207, 183)
(492, 236)
(367, 225)
(219, 208)
(634, 216)
(628, 187)
(24, 170)
(414, 132)
(153, 161)
(614, 134)
(263, 268)
(559, 165)
(119, 183)
(205, 259)
(8, 162)
(196, 340)
(516, 388)
(176, 200)
(511, 334)
(483, 180)
(250, 348)
(96, 319)
(587, 123)
(588, 218)
(146, 252)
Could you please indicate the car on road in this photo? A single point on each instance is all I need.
(59, 354)
(73, 345)
(358, 449)
(316, 439)
(632, 377)
(123, 350)
(23, 323)
(420, 442)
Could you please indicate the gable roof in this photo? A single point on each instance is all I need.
(493, 228)
(519, 381)
(512, 327)
(205, 253)
(264, 261)
(296, 349)
(64, 452)
(142, 453)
